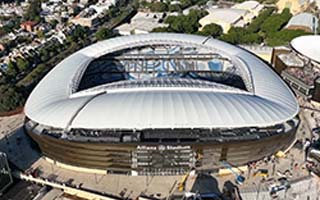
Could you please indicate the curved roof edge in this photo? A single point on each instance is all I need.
(50, 103)
(308, 46)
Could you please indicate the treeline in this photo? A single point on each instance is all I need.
(12, 1)
(266, 28)
(12, 22)
(183, 23)
(190, 24)
(52, 54)
(20, 65)
(159, 6)
(22, 74)
(11, 98)
(33, 11)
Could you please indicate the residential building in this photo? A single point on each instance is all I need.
(88, 18)
(237, 16)
(253, 7)
(295, 6)
(28, 25)
(141, 23)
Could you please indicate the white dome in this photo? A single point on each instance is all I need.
(55, 103)
(308, 46)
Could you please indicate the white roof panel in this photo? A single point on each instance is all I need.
(227, 15)
(308, 46)
(183, 109)
(55, 103)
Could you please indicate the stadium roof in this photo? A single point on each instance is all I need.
(55, 101)
(308, 46)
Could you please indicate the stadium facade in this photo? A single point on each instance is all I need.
(161, 103)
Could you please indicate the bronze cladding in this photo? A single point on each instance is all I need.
(118, 156)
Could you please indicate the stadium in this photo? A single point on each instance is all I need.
(161, 104)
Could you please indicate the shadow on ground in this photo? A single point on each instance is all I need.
(208, 188)
(206, 184)
(20, 150)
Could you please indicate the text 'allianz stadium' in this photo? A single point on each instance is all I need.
(162, 104)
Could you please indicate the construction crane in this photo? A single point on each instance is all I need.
(239, 179)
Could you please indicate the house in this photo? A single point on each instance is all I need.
(225, 17)
(28, 25)
(253, 7)
(142, 22)
(295, 6)
(88, 18)
(238, 15)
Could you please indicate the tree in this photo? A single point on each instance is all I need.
(33, 11)
(251, 38)
(174, 8)
(230, 38)
(213, 30)
(34, 76)
(104, 33)
(255, 25)
(283, 37)
(53, 23)
(22, 64)
(77, 33)
(186, 3)
(40, 34)
(44, 55)
(10, 98)
(276, 21)
(161, 29)
(234, 35)
(12, 69)
(136, 4)
(185, 23)
(112, 12)
(158, 7)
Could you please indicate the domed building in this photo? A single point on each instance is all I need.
(160, 103)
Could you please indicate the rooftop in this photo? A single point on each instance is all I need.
(228, 15)
(291, 60)
(28, 23)
(304, 19)
(142, 21)
(307, 46)
(248, 5)
(306, 74)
